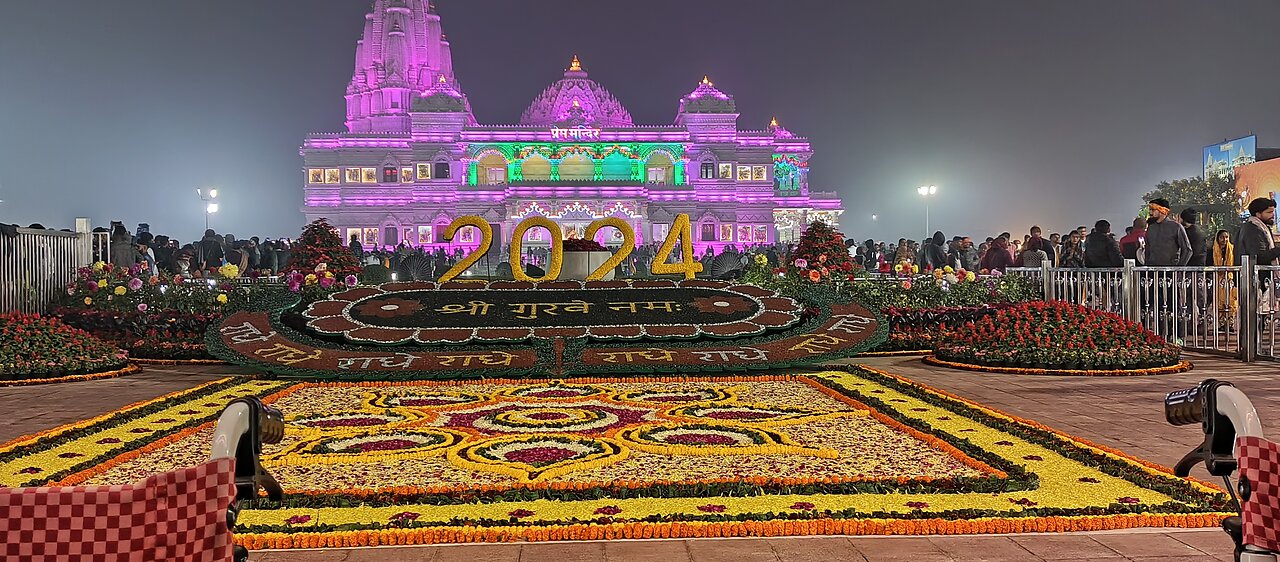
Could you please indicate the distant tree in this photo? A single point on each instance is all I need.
(1215, 198)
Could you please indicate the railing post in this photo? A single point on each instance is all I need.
(1129, 302)
(1248, 290)
(84, 242)
(1046, 277)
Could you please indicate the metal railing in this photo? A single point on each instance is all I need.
(36, 266)
(1228, 310)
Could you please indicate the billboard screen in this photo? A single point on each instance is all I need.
(1221, 159)
(1258, 180)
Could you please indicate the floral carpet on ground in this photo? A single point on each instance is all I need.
(850, 452)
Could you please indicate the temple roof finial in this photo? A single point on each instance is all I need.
(706, 80)
(773, 122)
(576, 65)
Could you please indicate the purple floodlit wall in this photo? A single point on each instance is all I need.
(414, 157)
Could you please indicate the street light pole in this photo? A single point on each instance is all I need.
(210, 207)
(927, 191)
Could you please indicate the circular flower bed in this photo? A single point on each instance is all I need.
(44, 349)
(1057, 338)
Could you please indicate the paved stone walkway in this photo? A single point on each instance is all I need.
(1125, 413)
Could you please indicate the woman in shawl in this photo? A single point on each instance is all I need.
(1223, 254)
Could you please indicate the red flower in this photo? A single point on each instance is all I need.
(520, 513)
(1024, 502)
(1032, 458)
(802, 506)
(712, 508)
(1128, 500)
(917, 505)
(608, 510)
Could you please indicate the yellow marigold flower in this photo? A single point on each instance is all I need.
(120, 290)
(102, 283)
(970, 276)
(99, 266)
(222, 298)
(229, 271)
(310, 279)
(915, 269)
(88, 301)
(948, 269)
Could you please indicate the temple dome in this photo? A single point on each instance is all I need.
(576, 101)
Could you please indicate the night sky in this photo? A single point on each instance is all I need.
(1057, 113)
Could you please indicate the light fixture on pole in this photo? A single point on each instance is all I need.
(927, 191)
(210, 206)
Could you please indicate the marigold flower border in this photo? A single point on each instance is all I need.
(1181, 367)
(128, 369)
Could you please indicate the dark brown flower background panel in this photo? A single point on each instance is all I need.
(251, 336)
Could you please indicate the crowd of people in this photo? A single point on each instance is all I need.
(1162, 238)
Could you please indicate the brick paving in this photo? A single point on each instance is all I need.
(1125, 413)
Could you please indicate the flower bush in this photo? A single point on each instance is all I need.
(40, 347)
(821, 255)
(150, 316)
(1056, 335)
(321, 244)
(583, 245)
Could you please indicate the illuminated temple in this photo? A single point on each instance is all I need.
(414, 157)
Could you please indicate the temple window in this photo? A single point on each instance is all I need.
(657, 175)
(493, 169)
(707, 171)
(441, 170)
(390, 174)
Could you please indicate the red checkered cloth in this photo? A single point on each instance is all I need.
(178, 516)
(1260, 465)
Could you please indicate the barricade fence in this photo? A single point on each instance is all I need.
(36, 265)
(1226, 310)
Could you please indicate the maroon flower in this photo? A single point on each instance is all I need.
(802, 506)
(389, 308)
(1088, 480)
(31, 470)
(1128, 500)
(608, 510)
(520, 513)
(108, 440)
(165, 420)
(189, 412)
(721, 305)
(944, 418)
(919, 409)
(1033, 458)
(139, 430)
(404, 517)
(1005, 443)
(917, 505)
(298, 519)
(1024, 502)
(711, 508)
(70, 455)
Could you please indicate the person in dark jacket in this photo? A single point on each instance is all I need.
(1101, 248)
(1256, 239)
(1133, 239)
(997, 257)
(1166, 241)
(210, 250)
(932, 253)
(1199, 248)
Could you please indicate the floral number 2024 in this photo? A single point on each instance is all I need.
(680, 234)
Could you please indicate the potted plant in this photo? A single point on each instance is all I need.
(581, 257)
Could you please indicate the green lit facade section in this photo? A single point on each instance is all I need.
(638, 154)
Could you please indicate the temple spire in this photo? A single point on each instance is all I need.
(575, 65)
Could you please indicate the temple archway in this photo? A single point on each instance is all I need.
(536, 168)
(577, 167)
(617, 166)
(659, 168)
(492, 169)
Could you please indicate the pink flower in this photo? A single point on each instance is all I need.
(326, 282)
(802, 263)
(1128, 500)
(294, 286)
(142, 307)
(802, 506)
(712, 508)
(297, 519)
(135, 284)
(351, 281)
